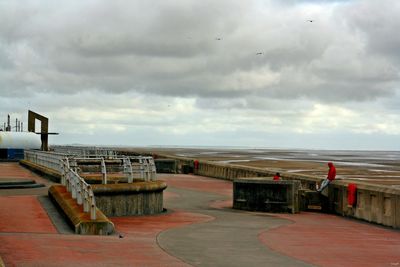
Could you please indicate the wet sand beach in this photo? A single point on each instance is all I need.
(377, 167)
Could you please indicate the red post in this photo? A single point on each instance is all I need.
(351, 194)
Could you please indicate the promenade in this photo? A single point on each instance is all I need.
(199, 228)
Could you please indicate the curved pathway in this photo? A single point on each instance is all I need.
(314, 238)
(231, 239)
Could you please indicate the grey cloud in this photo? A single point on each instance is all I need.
(378, 22)
(171, 50)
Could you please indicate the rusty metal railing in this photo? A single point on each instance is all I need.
(50, 160)
(138, 167)
(79, 189)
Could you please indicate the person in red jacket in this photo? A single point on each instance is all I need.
(277, 176)
(331, 176)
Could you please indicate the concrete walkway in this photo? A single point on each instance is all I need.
(199, 229)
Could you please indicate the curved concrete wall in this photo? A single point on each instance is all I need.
(140, 198)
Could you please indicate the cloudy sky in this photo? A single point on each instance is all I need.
(206, 73)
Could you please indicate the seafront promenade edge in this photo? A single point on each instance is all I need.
(375, 203)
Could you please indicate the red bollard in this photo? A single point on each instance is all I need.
(351, 194)
(196, 166)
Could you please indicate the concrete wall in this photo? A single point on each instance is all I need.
(375, 203)
(141, 198)
(262, 194)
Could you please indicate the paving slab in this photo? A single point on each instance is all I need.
(24, 214)
(330, 240)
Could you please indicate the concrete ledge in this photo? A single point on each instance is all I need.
(140, 198)
(112, 178)
(80, 220)
(138, 187)
(51, 174)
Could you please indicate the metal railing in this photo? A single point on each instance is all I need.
(139, 167)
(50, 160)
(79, 189)
(85, 151)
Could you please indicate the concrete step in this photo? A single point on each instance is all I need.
(80, 220)
(18, 183)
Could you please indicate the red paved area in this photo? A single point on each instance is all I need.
(330, 240)
(27, 237)
(16, 171)
(199, 183)
(316, 238)
(12, 169)
(138, 247)
(24, 214)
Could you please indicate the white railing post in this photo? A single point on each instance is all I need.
(73, 184)
(141, 169)
(128, 169)
(92, 206)
(152, 169)
(86, 199)
(79, 192)
(147, 169)
(68, 181)
(104, 171)
(63, 172)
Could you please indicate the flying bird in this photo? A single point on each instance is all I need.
(310, 20)
(218, 38)
(259, 53)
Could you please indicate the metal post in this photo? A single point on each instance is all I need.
(86, 199)
(62, 172)
(147, 169)
(73, 191)
(153, 170)
(92, 206)
(68, 180)
(104, 171)
(141, 168)
(8, 123)
(79, 192)
(128, 169)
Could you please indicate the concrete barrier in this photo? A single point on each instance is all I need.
(166, 165)
(375, 203)
(263, 194)
(140, 198)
